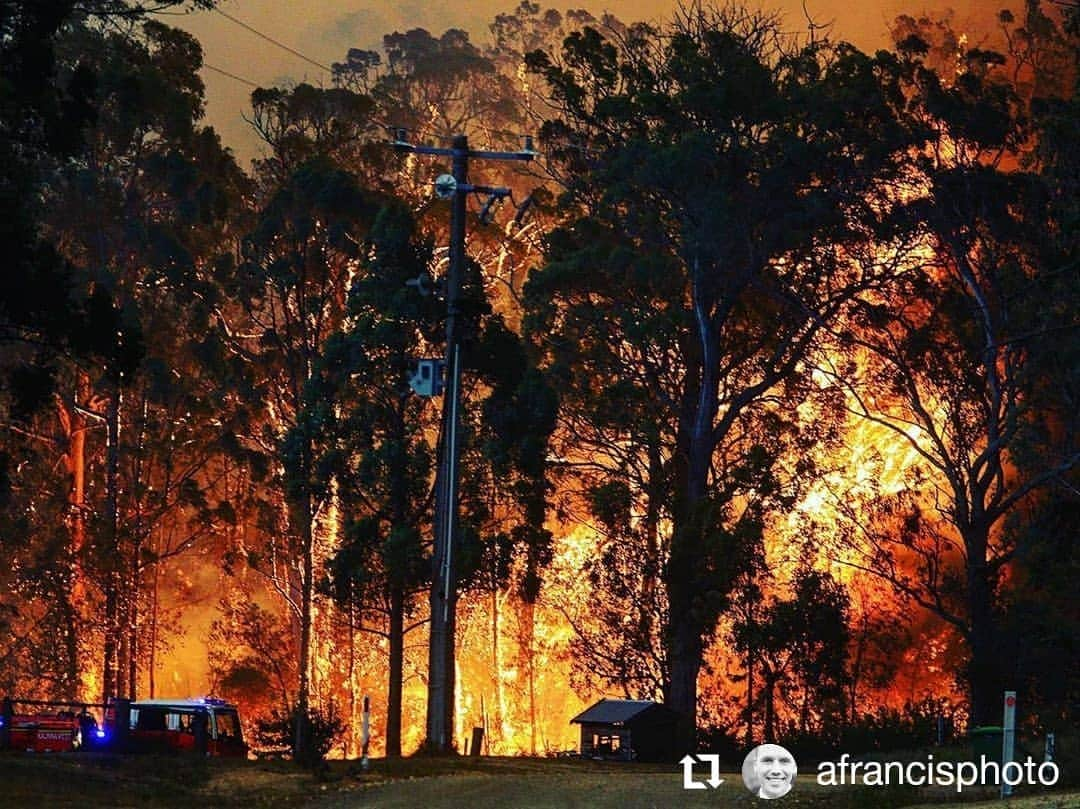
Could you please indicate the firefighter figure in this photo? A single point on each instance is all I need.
(200, 726)
(7, 717)
(87, 730)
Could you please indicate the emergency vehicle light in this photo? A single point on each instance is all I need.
(100, 734)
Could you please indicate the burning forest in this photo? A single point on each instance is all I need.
(747, 384)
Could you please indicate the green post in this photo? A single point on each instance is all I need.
(986, 741)
(7, 716)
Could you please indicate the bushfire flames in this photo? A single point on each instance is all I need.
(516, 670)
(517, 675)
(229, 609)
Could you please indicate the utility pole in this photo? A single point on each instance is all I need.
(443, 596)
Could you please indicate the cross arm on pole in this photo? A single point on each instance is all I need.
(443, 596)
(401, 143)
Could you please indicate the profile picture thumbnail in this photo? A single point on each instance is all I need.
(769, 771)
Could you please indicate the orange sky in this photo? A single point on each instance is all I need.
(325, 30)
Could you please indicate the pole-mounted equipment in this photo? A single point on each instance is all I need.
(443, 598)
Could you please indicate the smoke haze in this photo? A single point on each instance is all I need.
(324, 32)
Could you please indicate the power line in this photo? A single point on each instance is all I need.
(272, 41)
(240, 79)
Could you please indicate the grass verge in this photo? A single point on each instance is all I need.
(89, 781)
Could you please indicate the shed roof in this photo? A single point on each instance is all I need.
(613, 711)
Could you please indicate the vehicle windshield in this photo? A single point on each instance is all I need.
(175, 720)
(228, 725)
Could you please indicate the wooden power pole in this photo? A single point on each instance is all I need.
(443, 595)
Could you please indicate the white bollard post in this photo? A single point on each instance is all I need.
(366, 733)
(1008, 739)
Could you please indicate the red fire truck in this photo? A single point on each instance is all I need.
(207, 726)
(47, 727)
(44, 734)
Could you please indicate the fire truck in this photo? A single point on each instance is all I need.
(206, 726)
(40, 726)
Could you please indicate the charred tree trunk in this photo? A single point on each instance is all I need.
(526, 644)
(73, 598)
(397, 575)
(71, 683)
(139, 534)
(108, 681)
(685, 666)
(689, 618)
(496, 673)
(123, 656)
(111, 680)
(984, 675)
(353, 746)
(152, 641)
(749, 700)
(397, 671)
(303, 513)
(133, 643)
(769, 720)
(857, 668)
(650, 578)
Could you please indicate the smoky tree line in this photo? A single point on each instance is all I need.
(738, 246)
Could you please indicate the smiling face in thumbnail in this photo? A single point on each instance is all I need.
(775, 770)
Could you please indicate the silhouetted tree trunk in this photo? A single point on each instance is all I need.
(710, 302)
(749, 737)
(770, 679)
(304, 523)
(984, 670)
(112, 684)
(73, 422)
(397, 671)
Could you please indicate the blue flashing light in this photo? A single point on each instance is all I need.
(100, 734)
(1, 721)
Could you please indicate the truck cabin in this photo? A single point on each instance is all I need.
(208, 726)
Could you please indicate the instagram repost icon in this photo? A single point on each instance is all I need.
(769, 771)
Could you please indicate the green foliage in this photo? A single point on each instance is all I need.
(798, 648)
(322, 730)
(714, 182)
(913, 726)
(1041, 622)
(726, 196)
(973, 354)
(386, 459)
(116, 195)
(446, 75)
(303, 123)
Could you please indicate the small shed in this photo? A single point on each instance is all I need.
(628, 729)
